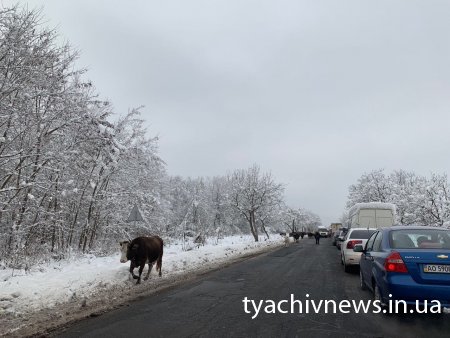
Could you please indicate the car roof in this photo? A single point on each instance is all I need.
(413, 227)
(371, 229)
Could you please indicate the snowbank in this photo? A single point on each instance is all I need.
(59, 282)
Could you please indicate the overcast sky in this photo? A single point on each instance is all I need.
(318, 92)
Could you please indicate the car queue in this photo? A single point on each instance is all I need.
(407, 263)
(399, 263)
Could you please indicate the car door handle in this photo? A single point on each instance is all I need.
(369, 258)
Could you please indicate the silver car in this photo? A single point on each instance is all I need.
(354, 236)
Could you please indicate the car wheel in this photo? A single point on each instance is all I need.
(362, 284)
(376, 293)
(346, 267)
(377, 296)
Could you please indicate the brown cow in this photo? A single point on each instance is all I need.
(141, 251)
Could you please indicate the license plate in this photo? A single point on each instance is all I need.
(436, 268)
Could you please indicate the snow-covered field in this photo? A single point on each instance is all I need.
(56, 283)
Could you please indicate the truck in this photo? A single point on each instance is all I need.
(372, 215)
(335, 227)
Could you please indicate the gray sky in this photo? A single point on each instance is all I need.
(317, 92)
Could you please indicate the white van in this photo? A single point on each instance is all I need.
(372, 215)
(323, 232)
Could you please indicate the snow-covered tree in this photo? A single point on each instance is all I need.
(63, 163)
(252, 192)
(371, 187)
(291, 218)
(419, 200)
(309, 220)
(433, 201)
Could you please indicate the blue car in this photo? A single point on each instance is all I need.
(409, 263)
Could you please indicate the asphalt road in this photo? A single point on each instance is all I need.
(212, 306)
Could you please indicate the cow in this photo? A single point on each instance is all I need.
(141, 251)
(286, 240)
(296, 236)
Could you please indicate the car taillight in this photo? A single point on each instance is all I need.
(351, 244)
(394, 263)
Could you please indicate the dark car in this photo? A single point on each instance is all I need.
(334, 238)
(340, 237)
(336, 234)
(408, 263)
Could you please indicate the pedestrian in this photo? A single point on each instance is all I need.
(317, 237)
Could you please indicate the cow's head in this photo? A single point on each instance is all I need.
(124, 248)
(128, 252)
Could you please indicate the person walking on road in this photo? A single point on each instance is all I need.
(317, 236)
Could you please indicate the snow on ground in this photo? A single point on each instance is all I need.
(59, 282)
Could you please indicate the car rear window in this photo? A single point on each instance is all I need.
(420, 239)
(361, 234)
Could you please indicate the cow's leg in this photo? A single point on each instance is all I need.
(150, 266)
(141, 268)
(159, 264)
(132, 266)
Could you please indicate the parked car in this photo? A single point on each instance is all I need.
(409, 263)
(341, 237)
(353, 237)
(334, 238)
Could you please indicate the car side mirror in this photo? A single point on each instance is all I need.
(358, 248)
